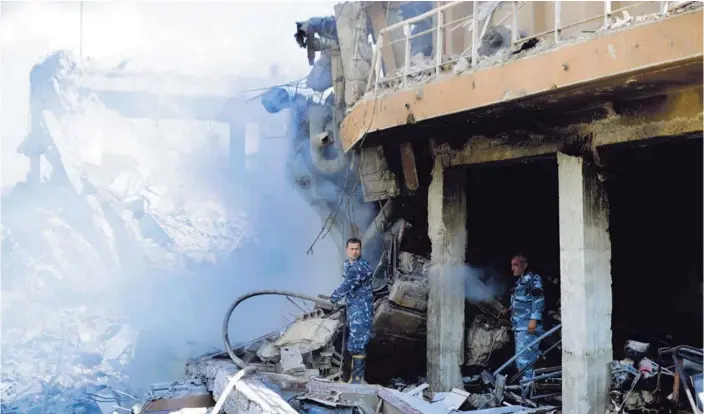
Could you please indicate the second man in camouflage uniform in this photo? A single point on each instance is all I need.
(527, 305)
(356, 288)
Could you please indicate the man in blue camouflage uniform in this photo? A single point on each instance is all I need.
(357, 289)
(527, 305)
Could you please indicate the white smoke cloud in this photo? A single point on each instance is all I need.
(149, 239)
(481, 284)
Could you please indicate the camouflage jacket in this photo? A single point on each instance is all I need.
(527, 301)
(357, 284)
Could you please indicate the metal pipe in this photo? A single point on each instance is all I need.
(541, 354)
(475, 17)
(535, 341)
(318, 121)
(325, 304)
(664, 6)
(542, 377)
(377, 52)
(607, 14)
(381, 221)
(440, 43)
(543, 396)
(557, 21)
(407, 52)
(378, 64)
(685, 385)
(514, 22)
(420, 17)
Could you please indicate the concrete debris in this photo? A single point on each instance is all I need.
(483, 338)
(482, 401)
(408, 404)
(309, 335)
(413, 264)
(411, 294)
(640, 384)
(268, 352)
(495, 39)
(285, 394)
(636, 349)
(292, 360)
(453, 400)
(396, 321)
(416, 391)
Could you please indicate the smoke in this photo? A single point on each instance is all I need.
(120, 263)
(481, 284)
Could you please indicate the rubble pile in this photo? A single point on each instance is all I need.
(285, 394)
(311, 351)
(301, 363)
(77, 242)
(71, 360)
(304, 348)
(484, 336)
(639, 384)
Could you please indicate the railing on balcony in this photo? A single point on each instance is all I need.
(382, 68)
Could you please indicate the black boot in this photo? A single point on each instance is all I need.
(357, 374)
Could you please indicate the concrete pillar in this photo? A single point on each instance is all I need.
(447, 216)
(585, 273)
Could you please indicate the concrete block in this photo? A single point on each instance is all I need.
(309, 334)
(393, 320)
(250, 396)
(483, 338)
(412, 264)
(268, 352)
(292, 360)
(410, 294)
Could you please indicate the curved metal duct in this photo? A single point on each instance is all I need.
(324, 152)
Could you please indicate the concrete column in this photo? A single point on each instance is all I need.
(585, 273)
(447, 216)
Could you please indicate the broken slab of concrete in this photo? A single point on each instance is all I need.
(410, 294)
(309, 334)
(393, 320)
(321, 386)
(292, 360)
(408, 404)
(484, 337)
(250, 395)
(268, 352)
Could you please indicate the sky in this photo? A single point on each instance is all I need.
(218, 39)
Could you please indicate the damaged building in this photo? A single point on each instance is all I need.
(568, 132)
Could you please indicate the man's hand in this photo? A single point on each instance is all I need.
(336, 306)
(532, 325)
